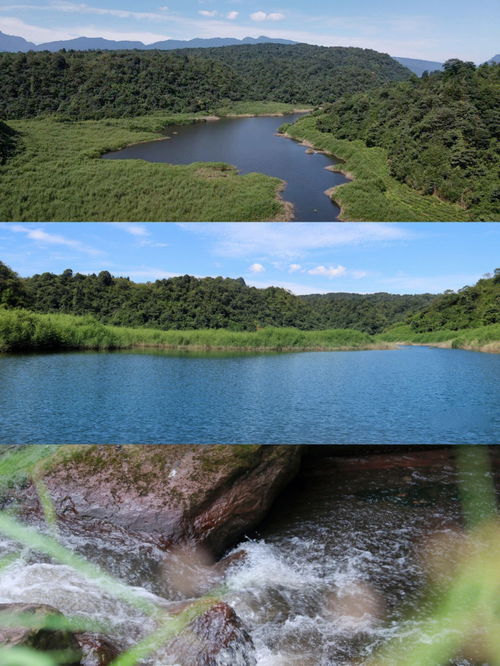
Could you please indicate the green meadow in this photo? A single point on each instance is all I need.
(374, 194)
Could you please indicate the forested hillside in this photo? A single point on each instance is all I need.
(306, 74)
(99, 84)
(469, 307)
(187, 302)
(370, 313)
(441, 132)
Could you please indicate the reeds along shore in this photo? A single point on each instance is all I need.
(21, 330)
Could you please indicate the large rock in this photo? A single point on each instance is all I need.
(215, 638)
(203, 495)
(38, 635)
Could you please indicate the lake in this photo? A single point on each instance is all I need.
(416, 395)
(251, 145)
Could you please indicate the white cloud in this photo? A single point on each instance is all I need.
(280, 240)
(262, 16)
(44, 238)
(37, 34)
(132, 229)
(256, 268)
(358, 274)
(331, 271)
(293, 268)
(232, 15)
(206, 12)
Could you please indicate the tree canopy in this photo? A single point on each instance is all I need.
(441, 132)
(99, 84)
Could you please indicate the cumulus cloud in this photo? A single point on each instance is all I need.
(208, 13)
(256, 268)
(293, 268)
(262, 16)
(330, 271)
(232, 15)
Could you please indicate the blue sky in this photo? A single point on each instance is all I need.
(302, 257)
(428, 29)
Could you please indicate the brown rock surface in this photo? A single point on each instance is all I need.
(216, 636)
(206, 495)
(38, 636)
(97, 650)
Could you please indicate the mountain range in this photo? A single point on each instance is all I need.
(12, 43)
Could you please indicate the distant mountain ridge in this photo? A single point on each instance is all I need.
(418, 67)
(11, 43)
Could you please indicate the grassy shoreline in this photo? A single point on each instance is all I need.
(24, 331)
(57, 175)
(373, 194)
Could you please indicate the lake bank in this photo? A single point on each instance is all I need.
(251, 143)
(56, 174)
(373, 193)
(24, 331)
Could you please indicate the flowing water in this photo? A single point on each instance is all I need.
(251, 144)
(413, 395)
(337, 569)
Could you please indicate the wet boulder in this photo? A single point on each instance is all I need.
(32, 626)
(97, 650)
(216, 637)
(203, 495)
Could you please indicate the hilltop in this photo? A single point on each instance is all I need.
(97, 84)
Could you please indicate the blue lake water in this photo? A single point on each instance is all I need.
(251, 145)
(415, 395)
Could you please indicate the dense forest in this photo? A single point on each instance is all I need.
(441, 132)
(469, 307)
(100, 84)
(303, 73)
(370, 313)
(187, 302)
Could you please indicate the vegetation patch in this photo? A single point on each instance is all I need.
(374, 194)
(439, 135)
(56, 175)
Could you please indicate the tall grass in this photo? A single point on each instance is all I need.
(56, 175)
(484, 337)
(21, 330)
(374, 195)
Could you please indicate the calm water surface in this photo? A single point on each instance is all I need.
(251, 145)
(413, 395)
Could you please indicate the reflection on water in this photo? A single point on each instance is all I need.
(414, 395)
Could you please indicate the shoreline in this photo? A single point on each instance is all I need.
(486, 348)
(332, 167)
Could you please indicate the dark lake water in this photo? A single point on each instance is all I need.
(412, 395)
(251, 145)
